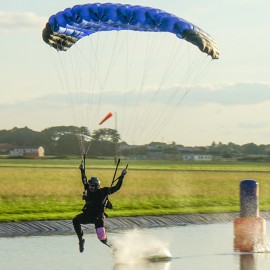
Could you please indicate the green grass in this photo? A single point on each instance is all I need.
(34, 189)
(51, 162)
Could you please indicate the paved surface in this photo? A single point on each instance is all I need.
(57, 227)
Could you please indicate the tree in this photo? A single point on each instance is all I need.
(104, 142)
(63, 139)
(68, 145)
(106, 135)
(251, 148)
(23, 137)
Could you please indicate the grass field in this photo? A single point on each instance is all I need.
(42, 189)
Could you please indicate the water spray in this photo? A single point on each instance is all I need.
(137, 247)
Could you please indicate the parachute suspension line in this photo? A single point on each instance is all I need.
(149, 57)
(95, 67)
(64, 81)
(139, 95)
(82, 103)
(90, 94)
(154, 121)
(199, 66)
(146, 69)
(98, 68)
(126, 73)
(88, 147)
(129, 61)
(125, 85)
(111, 61)
(90, 62)
(157, 121)
(205, 65)
(93, 78)
(188, 88)
(113, 58)
(68, 88)
(171, 109)
(173, 60)
(71, 89)
(77, 101)
(81, 143)
(95, 63)
(163, 115)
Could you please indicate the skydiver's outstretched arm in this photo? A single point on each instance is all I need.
(119, 182)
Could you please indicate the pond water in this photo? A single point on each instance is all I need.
(192, 247)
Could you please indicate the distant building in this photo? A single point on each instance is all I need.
(5, 148)
(27, 152)
(125, 146)
(197, 157)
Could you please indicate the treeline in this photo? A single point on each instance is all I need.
(63, 140)
(234, 150)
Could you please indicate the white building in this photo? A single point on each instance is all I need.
(197, 157)
(27, 152)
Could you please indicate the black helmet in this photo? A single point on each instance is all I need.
(94, 181)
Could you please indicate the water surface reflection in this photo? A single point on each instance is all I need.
(144, 266)
(192, 247)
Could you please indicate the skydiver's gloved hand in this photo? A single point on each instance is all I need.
(124, 172)
(84, 195)
(81, 167)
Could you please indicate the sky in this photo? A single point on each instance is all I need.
(230, 104)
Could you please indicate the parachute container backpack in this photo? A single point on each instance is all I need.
(135, 61)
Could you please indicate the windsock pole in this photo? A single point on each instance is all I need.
(249, 228)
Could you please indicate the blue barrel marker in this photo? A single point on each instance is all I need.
(249, 202)
(249, 228)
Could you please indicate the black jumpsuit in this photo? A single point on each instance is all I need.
(93, 210)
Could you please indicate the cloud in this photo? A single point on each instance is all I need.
(255, 125)
(206, 114)
(244, 93)
(19, 21)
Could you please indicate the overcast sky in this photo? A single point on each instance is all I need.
(231, 103)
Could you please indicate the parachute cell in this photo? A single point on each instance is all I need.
(66, 27)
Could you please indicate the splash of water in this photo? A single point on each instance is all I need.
(263, 248)
(135, 246)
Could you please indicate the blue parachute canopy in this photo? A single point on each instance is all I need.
(66, 27)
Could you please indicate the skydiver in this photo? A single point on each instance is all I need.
(96, 200)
